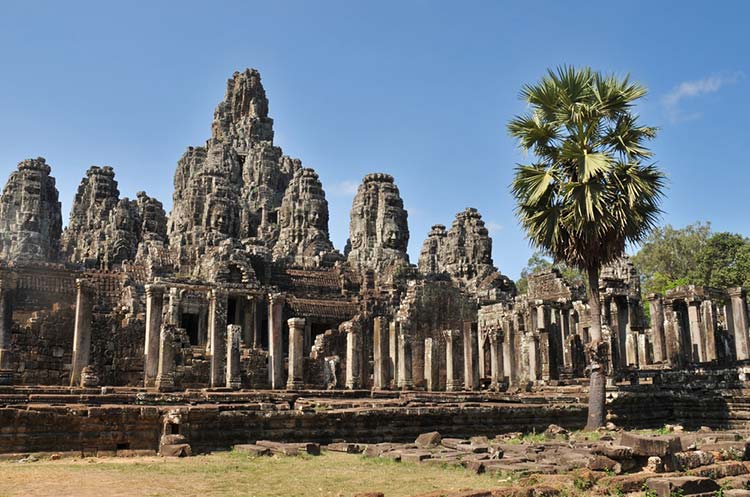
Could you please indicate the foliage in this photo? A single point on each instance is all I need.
(539, 262)
(588, 192)
(723, 262)
(693, 255)
(668, 255)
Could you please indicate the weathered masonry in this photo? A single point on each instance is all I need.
(240, 287)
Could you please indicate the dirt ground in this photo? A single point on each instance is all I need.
(231, 474)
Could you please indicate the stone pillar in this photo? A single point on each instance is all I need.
(482, 345)
(173, 311)
(296, 376)
(452, 383)
(233, 374)
(697, 332)
(393, 332)
(656, 308)
(275, 354)
(643, 355)
(6, 324)
(631, 348)
(532, 345)
(154, 306)
(257, 323)
(380, 353)
(740, 318)
(496, 360)
(405, 381)
(471, 375)
(708, 314)
(82, 333)
(353, 357)
(565, 335)
(431, 364)
(168, 335)
(672, 334)
(217, 327)
(248, 323)
(509, 352)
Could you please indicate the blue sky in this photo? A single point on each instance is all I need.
(418, 89)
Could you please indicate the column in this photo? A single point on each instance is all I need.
(404, 361)
(496, 360)
(708, 313)
(82, 333)
(509, 352)
(6, 324)
(353, 353)
(167, 343)
(154, 305)
(471, 379)
(257, 323)
(739, 316)
(532, 346)
(296, 378)
(543, 353)
(393, 332)
(672, 335)
(431, 364)
(481, 346)
(233, 370)
(275, 354)
(248, 323)
(217, 327)
(173, 312)
(452, 383)
(565, 338)
(697, 332)
(380, 353)
(631, 348)
(643, 357)
(656, 309)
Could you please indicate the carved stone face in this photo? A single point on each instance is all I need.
(219, 221)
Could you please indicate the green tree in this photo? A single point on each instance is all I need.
(667, 256)
(587, 192)
(539, 262)
(723, 262)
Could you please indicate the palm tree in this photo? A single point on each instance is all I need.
(587, 192)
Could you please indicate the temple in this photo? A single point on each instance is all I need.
(239, 289)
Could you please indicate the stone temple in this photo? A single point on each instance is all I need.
(234, 318)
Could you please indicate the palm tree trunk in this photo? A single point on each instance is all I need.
(597, 355)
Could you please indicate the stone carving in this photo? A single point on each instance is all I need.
(231, 188)
(105, 230)
(30, 219)
(84, 240)
(378, 230)
(303, 223)
(464, 252)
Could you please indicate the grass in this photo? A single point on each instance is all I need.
(233, 474)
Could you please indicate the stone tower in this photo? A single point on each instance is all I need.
(228, 192)
(303, 223)
(378, 229)
(30, 218)
(464, 252)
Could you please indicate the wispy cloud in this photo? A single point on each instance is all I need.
(344, 188)
(493, 227)
(691, 89)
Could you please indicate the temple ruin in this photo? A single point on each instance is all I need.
(238, 298)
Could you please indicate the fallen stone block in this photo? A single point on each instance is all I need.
(453, 443)
(428, 440)
(617, 452)
(693, 459)
(646, 446)
(415, 455)
(604, 463)
(736, 492)
(720, 470)
(728, 449)
(252, 450)
(348, 448)
(681, 485)
(376, 450)
(628, 483)
(739, 482)
(175, 450)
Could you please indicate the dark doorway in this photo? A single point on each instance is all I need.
(190, 323)
(232, 311)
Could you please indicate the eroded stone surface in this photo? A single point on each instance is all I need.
(30, 219)
(378, 229)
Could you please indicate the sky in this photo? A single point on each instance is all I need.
(422, 90)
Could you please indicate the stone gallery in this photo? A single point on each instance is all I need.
(234, 318)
